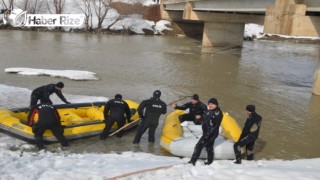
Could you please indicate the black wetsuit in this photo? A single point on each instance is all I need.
(194, 109)
(248, 136)
(153, 107)
(43, 93)
(210, 128)
(48, 119)
(114, 112)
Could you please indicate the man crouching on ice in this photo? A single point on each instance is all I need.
(48, 119)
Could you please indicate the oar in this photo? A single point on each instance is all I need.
(122, 128)
(182, 98)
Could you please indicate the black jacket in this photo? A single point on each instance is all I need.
(252, 126)
(115, 110)
(45, 91)
(211, 122)
(194, 109)
(153, 108)
(47, 115)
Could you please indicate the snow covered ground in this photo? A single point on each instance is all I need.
(20, 160)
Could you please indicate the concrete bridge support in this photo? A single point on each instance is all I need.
(222, 34)
(288, 17)
(316, 86)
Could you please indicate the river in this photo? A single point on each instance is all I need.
(277, 77)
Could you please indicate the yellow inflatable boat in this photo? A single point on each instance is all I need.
(79, 120)
(181, 140)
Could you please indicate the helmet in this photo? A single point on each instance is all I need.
(157, 94)
(118, 96)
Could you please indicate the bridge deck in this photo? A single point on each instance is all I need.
(235, 6)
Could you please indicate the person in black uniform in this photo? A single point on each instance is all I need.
(210, 131)
(113, 112)
(48, 118)
(152, 108)
(249, 134)
(44, 92)
(196, 110)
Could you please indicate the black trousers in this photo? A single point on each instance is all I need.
(146, 123)
(57, 130)
(204, 141)
(247, 141)
(35, 96)
(188, 117)
(109, 124)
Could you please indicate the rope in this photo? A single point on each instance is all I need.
(141, 171)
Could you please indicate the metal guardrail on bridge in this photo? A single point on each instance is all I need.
(241, 6)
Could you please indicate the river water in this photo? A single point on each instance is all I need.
(277, 77)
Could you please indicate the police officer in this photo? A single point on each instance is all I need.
(48, 118)
(210, 129)
(114, 112)
(249, 134)
(196, 110)
(44, 92)
(152, 108)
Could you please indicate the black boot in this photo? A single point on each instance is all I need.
(210, 157)
(119, 135)
(192, 161)
(238, 161)
(103, 137)
(135, 141)
(209, 161)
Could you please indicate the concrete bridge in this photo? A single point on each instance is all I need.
(224, 20)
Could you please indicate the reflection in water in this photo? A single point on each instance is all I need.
(276, 77)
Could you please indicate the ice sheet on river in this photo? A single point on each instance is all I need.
(69, 74)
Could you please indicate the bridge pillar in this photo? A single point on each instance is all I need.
(288, 17)
(222, 34)
(316, 86)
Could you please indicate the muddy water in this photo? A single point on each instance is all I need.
(276, 77)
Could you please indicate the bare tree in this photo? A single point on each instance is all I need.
(8, 5)
(85, 7)
(101, 8)
(32, 6)
(120, 17)
(58, 6)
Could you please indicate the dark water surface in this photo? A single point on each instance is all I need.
(275, 76)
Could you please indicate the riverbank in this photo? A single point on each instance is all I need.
(252, 32)
(291, 39)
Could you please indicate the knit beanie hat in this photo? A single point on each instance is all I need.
(195, 97)
(213, 101)
(60, 85)
(251, 108)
